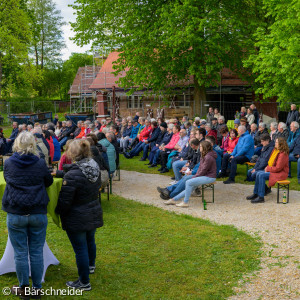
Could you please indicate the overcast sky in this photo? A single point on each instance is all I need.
(67, 14)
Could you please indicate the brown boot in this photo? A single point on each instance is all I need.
(23, 292)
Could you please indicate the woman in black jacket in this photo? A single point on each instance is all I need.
(80, 209)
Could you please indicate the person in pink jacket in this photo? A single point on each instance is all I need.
(167, 149)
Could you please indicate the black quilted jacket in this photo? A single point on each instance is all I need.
(27, 177)
(78, 204)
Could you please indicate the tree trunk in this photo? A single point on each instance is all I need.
(199, 99)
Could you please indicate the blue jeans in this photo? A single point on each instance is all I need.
(136, 150)
(292, 158)
(145, 150)
(84, 246)
(251, 176)
(152, 154)
(260, 182)
(190, 185)
(177, 166)
(63, 141)
(156, 156)
(178, 187)
(27, 235)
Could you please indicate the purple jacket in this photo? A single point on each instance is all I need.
(208, 165)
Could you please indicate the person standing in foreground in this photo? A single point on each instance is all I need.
(80, 210)
(25, 200)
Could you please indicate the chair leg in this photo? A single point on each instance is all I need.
(110, 186)
(213, 192)
(288, 193)
(277, 192)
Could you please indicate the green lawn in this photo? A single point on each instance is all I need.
(144, 252)
(134, 164)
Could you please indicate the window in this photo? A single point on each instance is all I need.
(134, 102)
(183, 100)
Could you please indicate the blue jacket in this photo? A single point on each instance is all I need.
(27, 177)
(295, 147)
(167, 138)
(219, 152)
(161, 137)
(111, 154)
(57, 152)
(292, 137)
(127, 131)
(14, 134)
(263, 159)
(245, 146)
(154, 136)
(134, 131)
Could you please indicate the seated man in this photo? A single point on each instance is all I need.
(262, 161)
(185, 158)
(262, 129)
(242, 153)
(125, 139)
(294, 133)
(13, 136)
(151, 140)
(294, 155)
(282, 131)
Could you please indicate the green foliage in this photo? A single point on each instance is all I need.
(144, 252)
(276, 58)
(170, 41)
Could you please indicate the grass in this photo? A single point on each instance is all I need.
(144, 252)
(134, 164)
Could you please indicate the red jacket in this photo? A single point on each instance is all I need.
(225, 143)
(145, 133)
(175, 138)
(63, 161)
(280, 168)
(81, 134)
(232, 143)
(51, 151)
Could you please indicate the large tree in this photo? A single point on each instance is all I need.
(14, 38)
(164, 41)
(46, 26)
(276, 59)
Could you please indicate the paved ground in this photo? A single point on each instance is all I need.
(278, 226)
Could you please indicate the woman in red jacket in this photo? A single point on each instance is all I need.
(232, 141)
(206, 174)
(49, 139)
(277, 169)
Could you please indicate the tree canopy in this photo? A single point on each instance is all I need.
(276, 60)
(163, 42)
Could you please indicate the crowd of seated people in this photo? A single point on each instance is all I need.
(177, 145)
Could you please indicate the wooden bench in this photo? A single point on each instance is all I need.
(283, 185)
(210, 186)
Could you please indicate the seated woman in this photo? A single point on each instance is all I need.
(277, 169)
(206, 174)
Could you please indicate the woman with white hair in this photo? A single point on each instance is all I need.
(25, 200)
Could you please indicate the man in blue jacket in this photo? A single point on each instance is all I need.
(295, 156)
(242, 153)
(11, 139)
(262, 161)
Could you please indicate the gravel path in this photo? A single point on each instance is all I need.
(277, 224)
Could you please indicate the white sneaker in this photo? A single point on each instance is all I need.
(182, 204)
(170, 202)
(173, 182)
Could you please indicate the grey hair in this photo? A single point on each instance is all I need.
(197, 119)
(64, 122)
(274, 124)
(105, 130)
(142, 118)
(282, 125)
(263, 125)
(171, 126)
(254, 124)
(221, 118)
(296, 124)
(25, 143)
(242, 128)
(208, 125)
(294, 105)
(29, 126)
